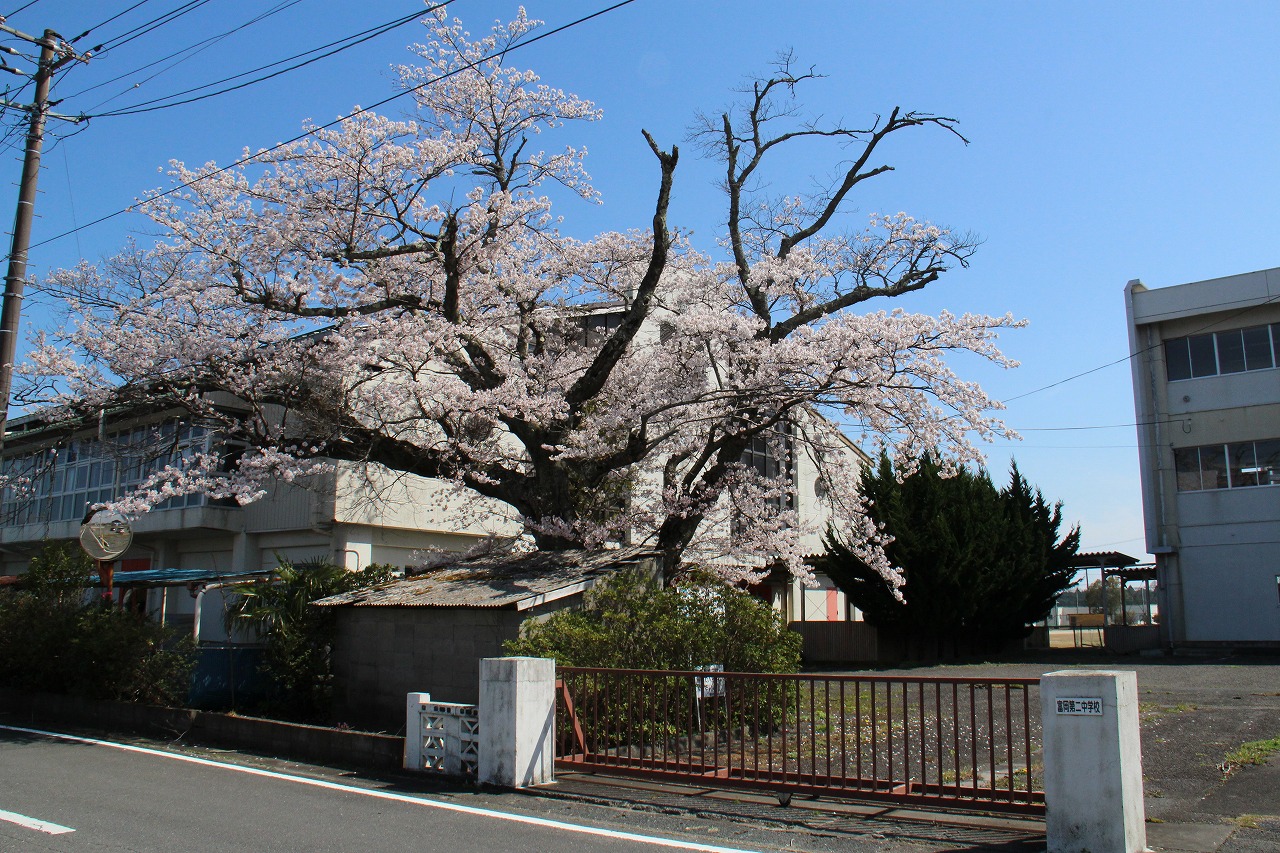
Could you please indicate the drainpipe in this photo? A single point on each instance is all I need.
(195, 628)
(1168, 557)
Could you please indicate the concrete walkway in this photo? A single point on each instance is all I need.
(1194, 710)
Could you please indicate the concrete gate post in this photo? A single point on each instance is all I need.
(1092, 762)
(517, 721)
(413, 729)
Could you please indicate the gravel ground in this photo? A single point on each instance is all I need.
(1193, 711)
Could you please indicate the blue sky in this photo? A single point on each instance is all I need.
(1109, 141)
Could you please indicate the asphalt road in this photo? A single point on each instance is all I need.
(79, 795)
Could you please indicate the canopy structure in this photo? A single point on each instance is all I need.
(174, 577)
(1114, 564)
(1102, 560)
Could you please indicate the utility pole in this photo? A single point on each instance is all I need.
(54, 53)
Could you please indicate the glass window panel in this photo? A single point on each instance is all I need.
(1177, 359)
(1244, 470)
(1268, 456)
(1257, 348)
(1186, 464)
(1203, 361)
(1213, 466)
(82, 477)
(1275, 340)
(1230, 351)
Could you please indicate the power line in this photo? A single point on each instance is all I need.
(1121, 542)
(245, 160)
(1133, 355)
(22, 8)
(1070, 428)
(1134, 446)
(338, 46)
(191, 50)
(150, 26)
(114, 17)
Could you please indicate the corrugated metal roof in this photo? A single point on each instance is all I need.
(520, 581)
(1101, 559)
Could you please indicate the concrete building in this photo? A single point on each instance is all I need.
(1206, 379)
(352, 515)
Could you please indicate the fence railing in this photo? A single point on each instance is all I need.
(967, 742)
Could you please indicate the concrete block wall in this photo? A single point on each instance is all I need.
(382, 653)
(266, 737)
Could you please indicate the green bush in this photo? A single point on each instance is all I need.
(55, 639)
(298, 637)
(628, 621)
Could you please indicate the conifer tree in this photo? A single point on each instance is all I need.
(981, 564)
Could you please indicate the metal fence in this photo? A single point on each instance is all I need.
(953, 742)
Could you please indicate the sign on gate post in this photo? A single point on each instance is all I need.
(1092, 762)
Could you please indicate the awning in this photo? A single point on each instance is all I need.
(177, 577)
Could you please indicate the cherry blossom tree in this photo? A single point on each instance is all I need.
(398, 293)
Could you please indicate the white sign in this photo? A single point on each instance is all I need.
(709, 686)
(1080, 707)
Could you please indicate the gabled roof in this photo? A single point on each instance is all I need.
(516, 581)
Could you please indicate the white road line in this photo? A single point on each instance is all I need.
(384, 795)
(32, 823)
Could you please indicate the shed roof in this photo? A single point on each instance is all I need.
(1102, 560)
(518, 581)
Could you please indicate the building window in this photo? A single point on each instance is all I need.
(1232, 351)
(595, 329)
(65, 481)
(1228, 466)
(770, 454)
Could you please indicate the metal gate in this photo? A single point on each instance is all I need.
(941, 742)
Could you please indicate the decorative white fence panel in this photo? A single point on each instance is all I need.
(441, 737)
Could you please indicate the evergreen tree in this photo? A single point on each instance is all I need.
(981, 564)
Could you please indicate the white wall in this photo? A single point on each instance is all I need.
(373, 495)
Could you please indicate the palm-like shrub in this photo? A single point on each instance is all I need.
(298, 637)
